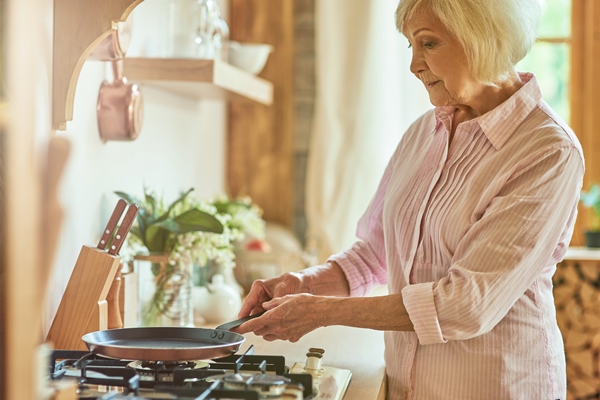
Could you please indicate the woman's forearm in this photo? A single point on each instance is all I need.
(326, 280)
(384, 313)
(378, 312)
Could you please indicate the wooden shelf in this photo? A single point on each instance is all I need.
(199, 79)
(78, 27)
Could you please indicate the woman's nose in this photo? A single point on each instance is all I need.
(417, 64)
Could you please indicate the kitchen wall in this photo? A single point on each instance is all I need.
(181, 145)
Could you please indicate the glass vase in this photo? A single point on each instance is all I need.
(197, 30)
(164, 291)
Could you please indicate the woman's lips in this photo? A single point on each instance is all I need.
(431, 84)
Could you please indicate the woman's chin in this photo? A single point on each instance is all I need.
(437, 102)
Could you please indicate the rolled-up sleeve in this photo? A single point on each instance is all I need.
(420, 305)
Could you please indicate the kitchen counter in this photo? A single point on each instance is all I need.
(582, 254)
(358, 350)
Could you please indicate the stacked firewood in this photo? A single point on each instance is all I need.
(577, 299)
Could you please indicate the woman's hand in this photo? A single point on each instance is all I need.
(292, 316)
(325, 279)
(289, 317)
(294, 302)
(264, 290)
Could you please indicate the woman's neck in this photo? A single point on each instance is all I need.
(487, 99)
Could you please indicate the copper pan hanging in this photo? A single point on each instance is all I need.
(120, 105)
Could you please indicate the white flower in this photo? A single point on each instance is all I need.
(240, 219)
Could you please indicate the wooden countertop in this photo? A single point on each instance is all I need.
(358, 350)
(582, 254)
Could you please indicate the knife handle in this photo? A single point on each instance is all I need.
(123, 230)
(112, 224)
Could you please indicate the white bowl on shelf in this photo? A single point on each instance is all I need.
(251, 57)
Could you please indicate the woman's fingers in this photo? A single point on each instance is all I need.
(259, 293)
(252, 325)
(265, 290)
(287, 318)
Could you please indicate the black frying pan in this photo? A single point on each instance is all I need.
(167, 343)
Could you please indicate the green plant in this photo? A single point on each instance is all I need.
(591, 199)
(158, 225)
(158, 231)
(186, 235)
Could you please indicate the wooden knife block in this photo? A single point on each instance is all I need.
(83, 307)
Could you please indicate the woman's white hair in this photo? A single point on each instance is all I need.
(495, 34)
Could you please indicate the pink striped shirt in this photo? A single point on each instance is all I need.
(470, 234)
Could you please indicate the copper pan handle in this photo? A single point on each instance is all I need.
(117, 67)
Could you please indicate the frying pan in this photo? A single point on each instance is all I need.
(167, 343)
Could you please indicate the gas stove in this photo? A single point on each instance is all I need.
(238, 376)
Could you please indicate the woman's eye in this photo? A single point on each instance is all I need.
(428, 45)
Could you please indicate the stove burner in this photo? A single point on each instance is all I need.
(167, 365)
(162, 371)
(255, 379)
(266, 385)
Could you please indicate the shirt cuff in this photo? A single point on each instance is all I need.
(420, 305)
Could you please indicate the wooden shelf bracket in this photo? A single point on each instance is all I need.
(78, 27)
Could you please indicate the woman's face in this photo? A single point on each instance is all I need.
(439, 61)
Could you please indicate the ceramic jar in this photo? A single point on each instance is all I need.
(216, 302)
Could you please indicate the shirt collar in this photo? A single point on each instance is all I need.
(500, 123)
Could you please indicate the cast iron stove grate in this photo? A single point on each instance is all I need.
(181, 380)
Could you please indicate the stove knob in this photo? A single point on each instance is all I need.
(313, 360)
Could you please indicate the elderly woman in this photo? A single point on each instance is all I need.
(473, 212)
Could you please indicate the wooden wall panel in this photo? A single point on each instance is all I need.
(21, 187)
(585, 96)
(576, 100)
(260, 142)
(2, 255)
(3, 342)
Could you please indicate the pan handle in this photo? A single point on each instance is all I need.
(227, 326)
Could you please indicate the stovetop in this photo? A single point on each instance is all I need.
(239, 376)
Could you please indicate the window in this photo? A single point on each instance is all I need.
(566, 60)
(550, 56)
